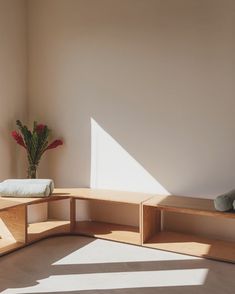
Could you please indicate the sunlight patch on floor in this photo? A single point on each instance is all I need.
(120, 280)
(102, 251)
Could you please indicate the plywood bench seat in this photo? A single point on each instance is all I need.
(15, 232)
(199, 206)
(155, 235)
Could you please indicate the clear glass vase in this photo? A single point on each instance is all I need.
(32, 171)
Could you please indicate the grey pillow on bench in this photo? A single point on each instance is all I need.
(225, 202)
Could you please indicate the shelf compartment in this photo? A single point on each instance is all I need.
(193, 245)
(12, 229)
(47, 228)
(164, 236)
(109, 231)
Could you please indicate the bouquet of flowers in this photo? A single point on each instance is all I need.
(35, 143)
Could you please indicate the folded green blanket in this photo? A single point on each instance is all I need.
(24, 190)
(225, 202)
(47, 182)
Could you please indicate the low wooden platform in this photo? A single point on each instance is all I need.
(154, 235)
(15, 232)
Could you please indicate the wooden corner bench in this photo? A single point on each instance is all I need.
(148, 231)
(156, 235)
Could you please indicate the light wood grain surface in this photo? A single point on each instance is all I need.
(187, 205)
(115, 232)
(106, 195)
(193, 245)
(40, 230)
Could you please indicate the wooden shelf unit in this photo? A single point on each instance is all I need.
(12, 228)
(154, 236)
(104, 229)
(15, 232)
(51, 226)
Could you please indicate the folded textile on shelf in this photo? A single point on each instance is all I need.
(26, 188)
(47, 182)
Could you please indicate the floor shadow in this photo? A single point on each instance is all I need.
(26, 267)
(43, 254)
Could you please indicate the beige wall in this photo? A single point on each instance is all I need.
(158, 76)
(13, 88)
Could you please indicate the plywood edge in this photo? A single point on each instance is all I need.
(189, 205)
(105, 195)
(14, 220)
(11, 202)
(151, 222)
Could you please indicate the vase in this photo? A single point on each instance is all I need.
(32, 171)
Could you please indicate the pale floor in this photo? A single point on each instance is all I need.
(85, 265)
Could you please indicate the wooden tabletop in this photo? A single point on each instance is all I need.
(5, 203)
(80, 193)
(171, 203)
(188, 205)
(105, 195)
(9, 202)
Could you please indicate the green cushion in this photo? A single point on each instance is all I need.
(225, 202)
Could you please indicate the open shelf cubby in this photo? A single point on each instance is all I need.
(12, 229)
(195, 216)
(110, 215)
(50, 219)
(109, 231)
(106, 220)
(178, 224)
